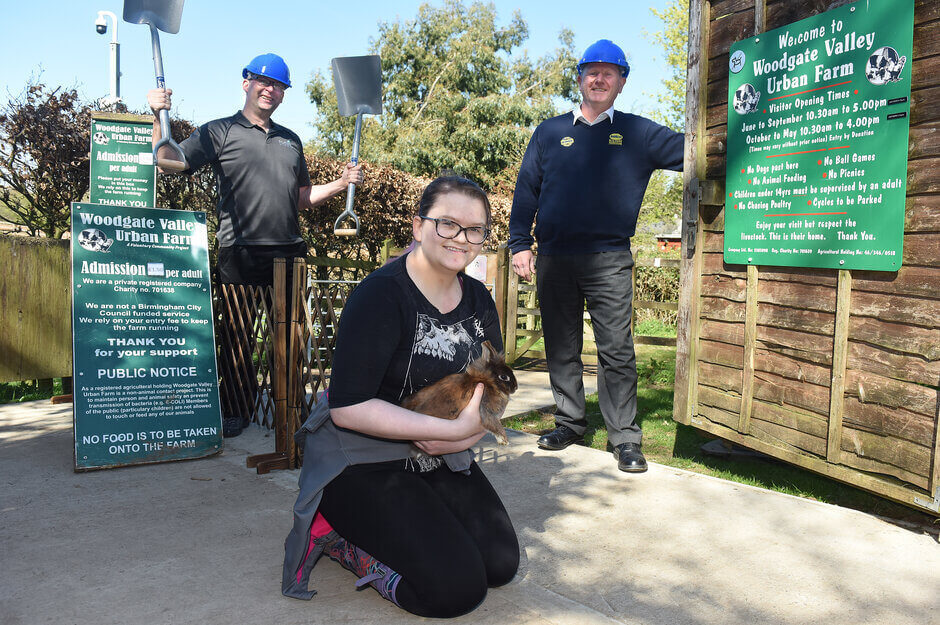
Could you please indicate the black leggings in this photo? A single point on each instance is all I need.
(446, 533)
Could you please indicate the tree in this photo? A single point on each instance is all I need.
(44, 139)
(455, 98)
(662, 203)
(674, 40)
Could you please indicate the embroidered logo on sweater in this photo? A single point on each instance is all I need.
(566, 141)
(615, 139)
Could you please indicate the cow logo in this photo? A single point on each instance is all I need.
(94, 240)
(884, 66)
(615, 139)
(746, 99)
(567, 141)
(736, 62)
(100, 138)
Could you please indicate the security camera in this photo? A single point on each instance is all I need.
(101, 25)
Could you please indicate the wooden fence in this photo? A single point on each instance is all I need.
(520, 315)
(35, 315)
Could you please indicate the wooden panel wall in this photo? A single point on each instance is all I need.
(35, 314)
(836, 371)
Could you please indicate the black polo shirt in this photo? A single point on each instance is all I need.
(259, 175)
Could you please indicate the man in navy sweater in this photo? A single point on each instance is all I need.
(582, 181)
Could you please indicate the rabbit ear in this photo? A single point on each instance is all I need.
(489, 352)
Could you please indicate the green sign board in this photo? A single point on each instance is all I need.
(144, 369)
(818, 116)
(122, 171)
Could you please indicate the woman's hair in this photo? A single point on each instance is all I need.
(443, 185)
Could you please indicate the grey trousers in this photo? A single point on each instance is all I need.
(603, 281)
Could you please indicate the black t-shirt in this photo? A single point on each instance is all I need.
(259, 178)
(393, 342)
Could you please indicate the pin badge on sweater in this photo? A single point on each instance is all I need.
(615, 139)
(567, 141)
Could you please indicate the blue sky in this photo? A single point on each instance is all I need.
(55, 42)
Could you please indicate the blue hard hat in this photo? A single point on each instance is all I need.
(605, 51)
(270, 65)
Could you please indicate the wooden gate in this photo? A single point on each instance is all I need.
(832, 370)
(281, 342)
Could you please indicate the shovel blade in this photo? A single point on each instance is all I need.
(358, 83)
(163, 14)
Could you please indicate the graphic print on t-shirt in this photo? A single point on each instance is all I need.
(440, 347)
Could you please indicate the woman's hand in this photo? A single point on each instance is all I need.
(468, 429)
(436, 448)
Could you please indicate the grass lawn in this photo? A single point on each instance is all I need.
(675, 445)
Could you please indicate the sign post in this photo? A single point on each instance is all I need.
(818, 117)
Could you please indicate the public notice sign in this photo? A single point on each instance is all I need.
(144, 368)
(818, 116)
(122, 171)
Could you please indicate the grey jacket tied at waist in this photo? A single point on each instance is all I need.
(328, 450)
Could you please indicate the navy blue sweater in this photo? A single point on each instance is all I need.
(586, 183)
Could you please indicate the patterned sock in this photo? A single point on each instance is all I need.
(349, 556)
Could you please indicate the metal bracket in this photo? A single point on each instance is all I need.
(932, 505)
(691, 220)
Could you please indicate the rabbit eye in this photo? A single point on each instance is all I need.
(504, 377)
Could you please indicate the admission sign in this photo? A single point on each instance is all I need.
(122, 171)
(818, 116)
(144, 369)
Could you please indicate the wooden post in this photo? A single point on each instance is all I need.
(500, 286)
(750, 346)
(295, 379)
(694, 170)
(386, 251)
(281, 370)
(840, 346)
(512, 307)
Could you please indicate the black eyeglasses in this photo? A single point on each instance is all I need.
(447, 229)
(267, 82)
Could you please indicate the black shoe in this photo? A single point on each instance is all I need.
(630, 458)
(232, 426)
(559, 438)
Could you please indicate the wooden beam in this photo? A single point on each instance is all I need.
(281, 370)
(512, 305)
(499, 287)
(750, 347)
(690, 270)
(840, 346)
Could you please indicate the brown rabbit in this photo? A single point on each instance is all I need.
(448, 396)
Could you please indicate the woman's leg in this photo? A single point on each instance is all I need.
(481, 512)
(396, 517)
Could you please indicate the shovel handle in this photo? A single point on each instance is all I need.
(167, 139)
(345, 231)
(350, 190)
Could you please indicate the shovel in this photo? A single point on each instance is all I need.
(358, 83)
(163, 15)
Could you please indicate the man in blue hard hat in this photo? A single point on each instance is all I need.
(263, 183)
(582, 181)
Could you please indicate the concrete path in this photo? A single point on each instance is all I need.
(202, 542)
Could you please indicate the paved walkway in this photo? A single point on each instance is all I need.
(202, 542)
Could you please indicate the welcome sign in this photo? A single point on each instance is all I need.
(818, 118)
